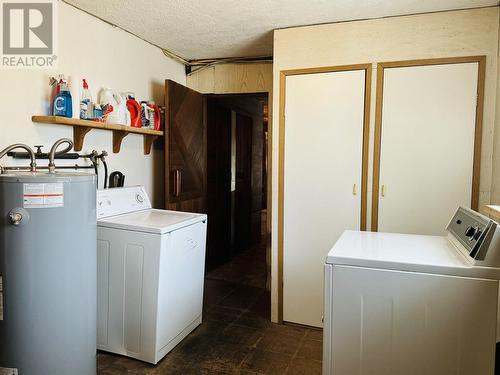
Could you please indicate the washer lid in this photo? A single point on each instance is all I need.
(405, 252)
(151, 221)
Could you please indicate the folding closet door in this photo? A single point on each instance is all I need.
(324, 118)
(427, 139)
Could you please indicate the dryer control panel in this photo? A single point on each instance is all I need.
(473, 231)
(117, 201)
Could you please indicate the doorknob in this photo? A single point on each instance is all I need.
(354, 189)
(383, 191)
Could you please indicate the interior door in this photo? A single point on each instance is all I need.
(324, 121)
(185, 149)
(427, 146)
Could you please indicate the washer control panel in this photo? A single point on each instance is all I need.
(117, 201)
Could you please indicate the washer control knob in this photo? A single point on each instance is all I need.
(139, 198)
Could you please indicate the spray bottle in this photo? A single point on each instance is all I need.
(86, 110)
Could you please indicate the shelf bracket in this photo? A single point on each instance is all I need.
(148, 142)
(79, 133)
(118, 136)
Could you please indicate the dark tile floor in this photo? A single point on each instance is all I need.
(236, 336)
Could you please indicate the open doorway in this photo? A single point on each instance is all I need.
(236, 188)
(216, 163)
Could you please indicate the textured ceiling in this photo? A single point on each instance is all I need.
(197, 29)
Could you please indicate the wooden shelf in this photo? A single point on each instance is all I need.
(82, 127)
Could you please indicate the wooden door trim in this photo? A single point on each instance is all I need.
(476, 169)
(281, 155)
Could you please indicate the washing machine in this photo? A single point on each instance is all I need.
(150, 274)
(412, 304)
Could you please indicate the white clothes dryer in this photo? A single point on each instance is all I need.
(412, 304)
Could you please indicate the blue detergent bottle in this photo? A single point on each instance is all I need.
(63, 104)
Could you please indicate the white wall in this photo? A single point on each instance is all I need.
(445, 34)
(107, 57)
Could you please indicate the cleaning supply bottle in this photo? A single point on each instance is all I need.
(145, 114)
(63, 105)
(86, 110)
(114, 106)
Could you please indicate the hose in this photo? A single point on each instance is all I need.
(52, 153)
(105, 173)
(96, 174)
(94, 157)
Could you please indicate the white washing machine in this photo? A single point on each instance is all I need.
(150, 274)
(410, 304)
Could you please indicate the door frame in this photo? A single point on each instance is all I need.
(281, 152)
(481, 61)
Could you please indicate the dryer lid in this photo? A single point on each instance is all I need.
(152, 221)
(372, 248)
(406, 252)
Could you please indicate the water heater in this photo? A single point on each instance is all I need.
(47, 273)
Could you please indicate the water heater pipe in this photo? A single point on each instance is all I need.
(27, 148)
(52, 153)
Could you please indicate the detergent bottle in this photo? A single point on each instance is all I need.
(134, 110)
(63, 105)
(116, 105)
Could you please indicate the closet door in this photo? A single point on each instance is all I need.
(428, 127)
(323, 153)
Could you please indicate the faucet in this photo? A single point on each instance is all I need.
(23, 146)
(53, 153)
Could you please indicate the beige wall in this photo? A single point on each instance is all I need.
(107, 57)
(445, 34)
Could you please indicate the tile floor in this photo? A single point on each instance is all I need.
(236, 336)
